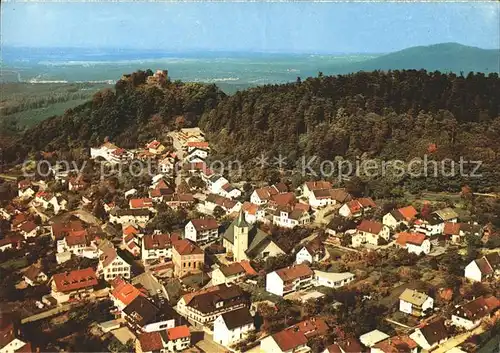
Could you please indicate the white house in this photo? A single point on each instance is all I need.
(357, 207)
(289, 279)
(228, 205)
(76, 285)
(215, 183)
(79, 244)
(399, 216)
(174, 339)
(156, 247)
(263, 195)
(141, 315)
(430, 226)
(232, 327)
(233, 273)
(110, 153)
(313, 252)
(370, 232)
(283, 217)
(416, 243)
(430, 335)
(325, 197)
(470, 315)
(285, 341)
(34, 276)
(415, 303)
(198, 153)
(111, 265)
(373, 337)
(48, 200)
(28, 229)
(485, 267)
(331, 279)
(253, 212)
(202, 230)
(229, 191)
(25, 189)
(128, 216)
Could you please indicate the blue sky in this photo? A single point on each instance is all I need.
(259, 26)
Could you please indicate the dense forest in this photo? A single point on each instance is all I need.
(385, 115)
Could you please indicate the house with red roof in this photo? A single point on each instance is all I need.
(141, 203)
(310, 186)
(325, 197)
(399, 216)
(232, 273)
(73, 285)
(370, 232)
(202, 230)
(416, 243)
(78, 243)
(25, 189)
(485, 267)
(294, 339)
(253, 212)
(28, 229)
(263, 195)
(187, 257)
(123, 293)
(357, 207)
(289, 279)
(471, 314)
(178, 200)
(156, 247)
(155, 147)
(174, 339)
(287, 217)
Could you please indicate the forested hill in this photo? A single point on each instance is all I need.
(130, 114)
(397, 114)
(445, 57)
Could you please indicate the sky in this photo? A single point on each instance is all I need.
(293, 27)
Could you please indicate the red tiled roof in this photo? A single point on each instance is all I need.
(413, 238)
(451, 228)
(248, 268)
(153, 144)
(130, 230)
(250, 208)
(124, 292)
(198, 144)
(408, 212)
(294, 272)
(156, 241)
(284, 199)
(141, 203)
(78, 279)
(367, 202)
(312, 327)
(265, 193)
(318, 185)
(151, 341)
(185, 247)
(178, 332)
(78, 237)
(368, 226)
(201, 224)
(396, 344)
(478, 308)
(289, 339)
(28, 226)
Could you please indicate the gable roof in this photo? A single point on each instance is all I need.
(186, 247)
(318, 185)
(177, 332)
(32, 272)
(144, 312)
(156, 241)
(141, 203)
(232, 269)
(289, 339)
(73, 280)
(451, 228)
(478, 308)
(396, 344)
(257, 238)
(205, 301)
(408, 212)
(151, 341)
(124, 291)
(237, 318)
(284, 199)
(435, 331)
(293, 272)
(311, 328)
(250, 208)
(368, 226)
(201, 224)
(405, 238)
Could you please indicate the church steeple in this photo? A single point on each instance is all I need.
(241, 222)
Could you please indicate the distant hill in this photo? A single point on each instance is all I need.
(445, 57)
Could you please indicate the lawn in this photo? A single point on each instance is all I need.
(15, 263)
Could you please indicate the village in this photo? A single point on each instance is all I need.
(187, 261)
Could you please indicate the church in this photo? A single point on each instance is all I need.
(247, 242)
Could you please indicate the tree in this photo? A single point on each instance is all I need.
(219, 212)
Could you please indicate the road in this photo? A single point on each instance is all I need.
(51, 312)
